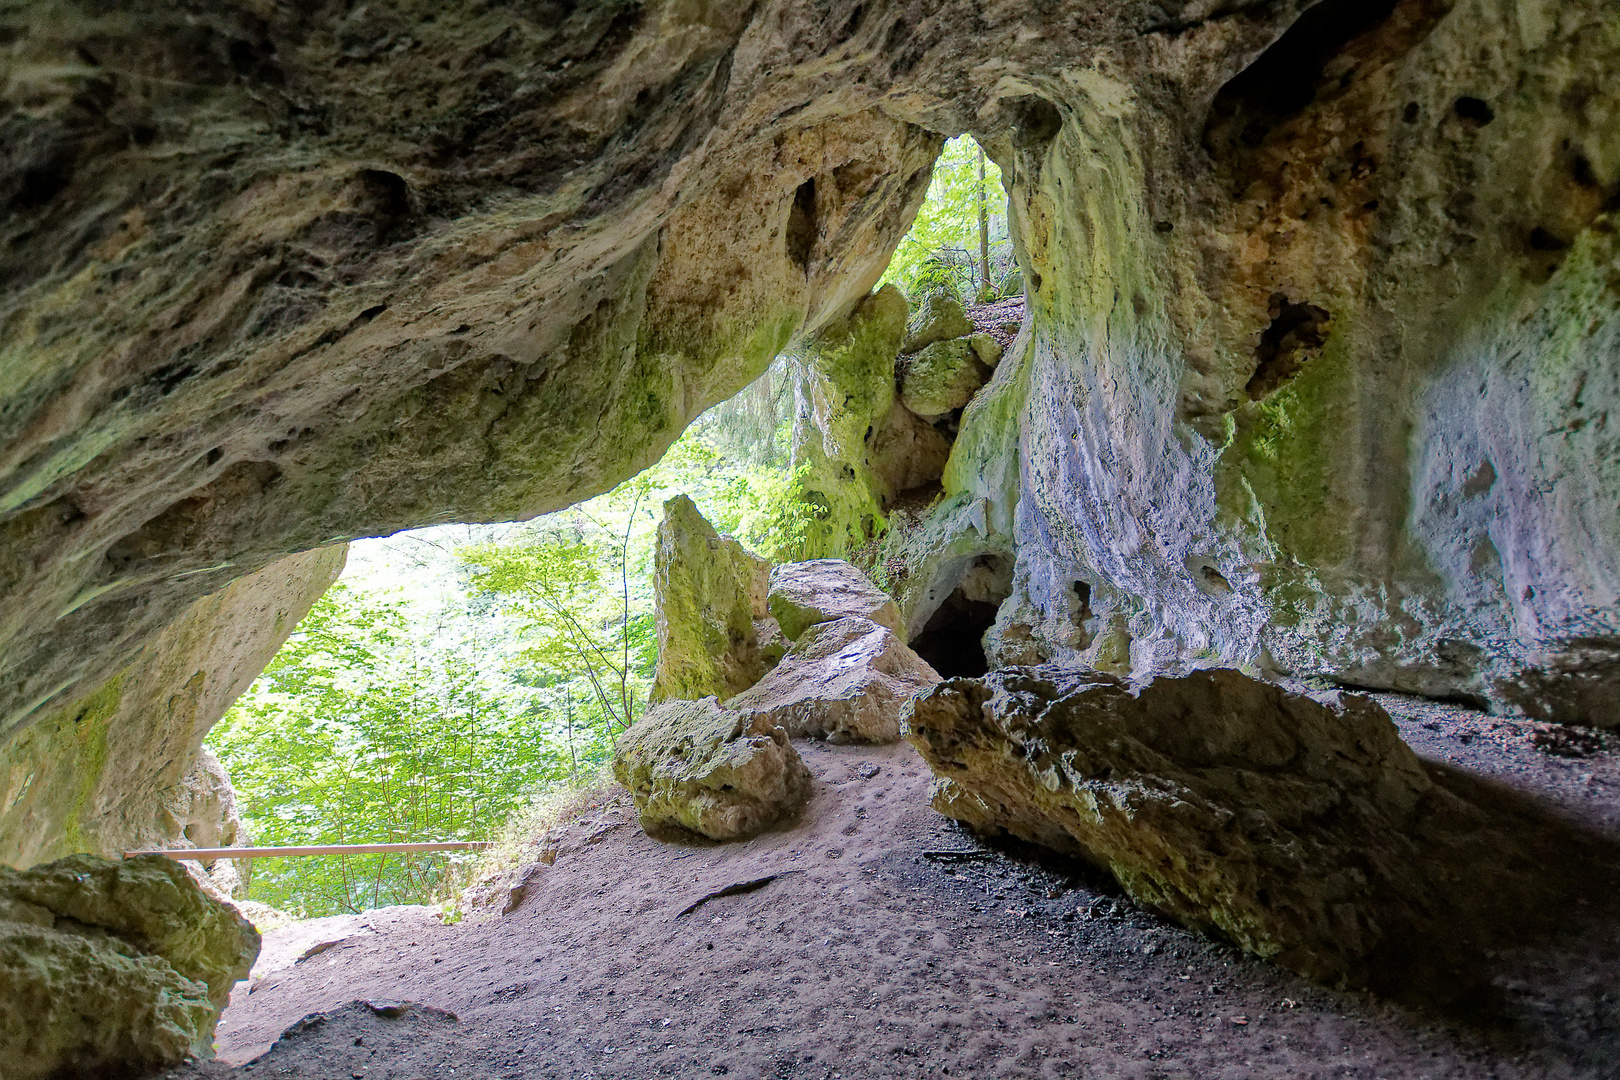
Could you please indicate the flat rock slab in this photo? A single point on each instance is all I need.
(806, 593)
(844, 681)
(689, 765)
(1274, 819)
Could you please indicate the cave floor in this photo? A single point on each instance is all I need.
(875, 952)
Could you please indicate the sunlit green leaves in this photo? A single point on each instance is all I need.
(942, 249)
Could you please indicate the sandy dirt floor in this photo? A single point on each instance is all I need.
(875, 939)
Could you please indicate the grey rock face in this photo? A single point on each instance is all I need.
(821, 590)
(1229, 804)
(112, 966)
(690, 765)
(843, 681)
(122, 769)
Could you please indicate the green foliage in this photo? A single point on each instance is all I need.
(358, 734)
(577, 630)
(941, 252)
(382, 720)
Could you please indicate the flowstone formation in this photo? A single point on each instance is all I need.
(694, 766)
(844, 680)
(715, 636)
(1278, 821)
(112, 968)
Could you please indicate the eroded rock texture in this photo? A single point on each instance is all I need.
(690, 765)
(1284, 823)
(280, 276)
(112, 967)
(1322, 356)
(715, 636)
(805, 594)
(845, 681)
(1316, 378)
(121, 769)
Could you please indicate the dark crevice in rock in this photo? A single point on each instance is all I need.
(1037, 124)
(952, 639)
(1323, 52)
(1082, 607)
(801, 226)
(1472, 110)
(1287, 76)
(1296, 333)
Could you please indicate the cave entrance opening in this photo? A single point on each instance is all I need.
(952, 637)
(952, 640)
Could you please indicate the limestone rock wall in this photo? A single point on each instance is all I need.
(1316, 379)
(279, 276)
(121, 769)
(1323, 354)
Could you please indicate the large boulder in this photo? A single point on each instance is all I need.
(710, 596)
(843, 681)
(906, 452)
(942, 378)
(821, 590)
(112, 967)
(940, 318)
(691, 765)
(1272, 818)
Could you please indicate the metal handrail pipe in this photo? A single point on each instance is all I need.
(209, 854)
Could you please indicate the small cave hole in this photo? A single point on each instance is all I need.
(801, 226)
(1296, 332)
(1082, 607)
(952, 639)
(1542, 240)
(1286, 77)
(1038, 123)
(1473, 111)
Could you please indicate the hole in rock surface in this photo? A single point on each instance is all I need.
(1295, 333)
(1471, 110)
(801, 226)
(952, 639)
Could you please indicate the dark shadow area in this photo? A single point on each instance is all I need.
(1516, 939)
(1296, 334)
(1322, 54)
(1518, 933)
(952, 639)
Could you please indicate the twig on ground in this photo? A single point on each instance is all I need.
(735, 890)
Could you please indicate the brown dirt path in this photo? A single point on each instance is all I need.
(867, 958)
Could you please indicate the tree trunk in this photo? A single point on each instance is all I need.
(984, 233)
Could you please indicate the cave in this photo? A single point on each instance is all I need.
(952, 638)
(280, 277)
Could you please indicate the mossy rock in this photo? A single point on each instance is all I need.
(939, 319)
(109, 966)
(710, 596)
(690, 765)
(942, 377)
